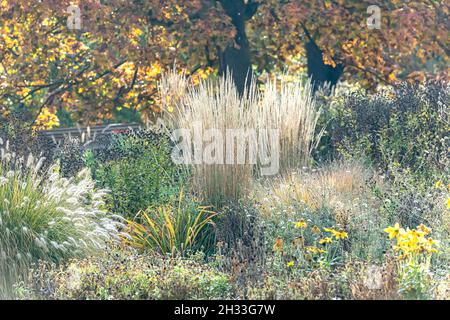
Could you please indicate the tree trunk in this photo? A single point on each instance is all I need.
(236, 57)
(319, 72)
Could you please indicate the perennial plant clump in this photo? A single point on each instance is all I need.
(414, 249)
(287, 108)
(46, 217)
(171, 228)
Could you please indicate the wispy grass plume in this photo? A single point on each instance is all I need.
(46, 217)
(216, 104)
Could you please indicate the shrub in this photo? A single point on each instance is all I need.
(408, 125)
(45, 217)
(127, 275)
(240, 222)
(411, 200)
(138, 171)
(70, 151)
(172, 229)
(23, 140)
(241, 243)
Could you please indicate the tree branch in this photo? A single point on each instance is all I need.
(69, 85)
(250, 9)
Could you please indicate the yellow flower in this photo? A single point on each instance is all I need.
(416, 234)
(290, 263)
(325, 240)
(301, 224)
(432, 242)
(448, 203)
(392, 77)
(136, 32)
(393, 231)
(424, 229)
(337, 234)
(330, 230)
(312, 249)
(402, 257)
(438, 184)
(411, 242)
(341, 235)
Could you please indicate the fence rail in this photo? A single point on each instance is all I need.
(92, 137)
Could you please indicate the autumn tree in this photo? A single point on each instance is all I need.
(335, 39)
(107, 68)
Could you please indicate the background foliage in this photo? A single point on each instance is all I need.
(109, 69)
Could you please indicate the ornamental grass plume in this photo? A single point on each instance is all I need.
(46, 217)
(286, 108)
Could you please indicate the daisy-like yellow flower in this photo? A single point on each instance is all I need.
(325, 240)
(330, 230)
(423, 228)
(393, 231)
(290, 264)
(416, 234)
(402, 257)
(432, 242)
(438, 184)
(448, 203)
(341, 235)
(312, 249)
(301, 224)
(337, 234)
(411, 242)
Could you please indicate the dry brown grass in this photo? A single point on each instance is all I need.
(388, 288)
(338, 186)
(216, 105)
(289, 108)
